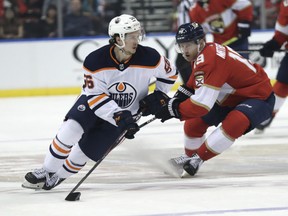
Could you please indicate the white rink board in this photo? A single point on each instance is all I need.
(58, 63)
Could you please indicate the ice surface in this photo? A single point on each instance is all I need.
(250, 178)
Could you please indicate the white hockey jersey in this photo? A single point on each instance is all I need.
(111, 86)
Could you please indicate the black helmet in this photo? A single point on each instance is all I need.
(189, 32)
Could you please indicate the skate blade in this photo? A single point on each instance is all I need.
(184, 174)
(37, 186)
(173, 169)
(258, 132)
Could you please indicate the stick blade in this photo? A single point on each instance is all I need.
(73, 196)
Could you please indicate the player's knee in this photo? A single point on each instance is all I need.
(195, 127)
(235, 124)
(70, 132)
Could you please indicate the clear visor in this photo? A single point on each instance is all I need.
(185, 46)
(136, 36)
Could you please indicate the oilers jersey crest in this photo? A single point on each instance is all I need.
(123, 94)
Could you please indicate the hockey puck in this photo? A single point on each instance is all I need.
(73, 196)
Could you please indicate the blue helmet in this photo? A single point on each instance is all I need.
(189, 32)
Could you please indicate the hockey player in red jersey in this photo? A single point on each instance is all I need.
(229, 90)
(116, 83)
(280, 37)
(229, 21)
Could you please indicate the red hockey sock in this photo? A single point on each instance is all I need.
(205, 153)
(280, 89)
(190, 152)
(235, 124)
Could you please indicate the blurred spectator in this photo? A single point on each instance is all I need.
(10, 26)
(95, 7)
(31, 19)
(270, 13)
(96, 10)
(76, 23)
(18, 6)
(49, 23)
(47, 3)
(256, 13)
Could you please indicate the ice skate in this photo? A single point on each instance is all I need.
(35, 179)
(191, 167)
(177, 164)
(52, 181)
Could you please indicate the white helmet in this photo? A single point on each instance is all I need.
(122, 25)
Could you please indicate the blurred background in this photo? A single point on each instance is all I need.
(56, 18)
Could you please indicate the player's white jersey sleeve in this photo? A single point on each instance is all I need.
(166, 75)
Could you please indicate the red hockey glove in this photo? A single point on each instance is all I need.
(268, 48)
(152, 103)
(169, 111)
(244, 29)
(125, 121)
(183, 92)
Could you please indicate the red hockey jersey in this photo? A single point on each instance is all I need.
(221, 17)
(220, 75)
(281, 27)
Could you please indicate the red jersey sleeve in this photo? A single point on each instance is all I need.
(281, 27)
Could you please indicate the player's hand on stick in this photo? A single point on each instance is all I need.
(125, 121)
(244, 29)
(170, 110)
(269, 47)
(183, 92)
(152, 103)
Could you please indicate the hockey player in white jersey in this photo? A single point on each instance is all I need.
(116, 81)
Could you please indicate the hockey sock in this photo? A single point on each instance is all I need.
(74, 163)
(280, 89)
(281, 92)
(68, 135)
(56, 154)
(195, 130)
(192, 144)
(233, 126)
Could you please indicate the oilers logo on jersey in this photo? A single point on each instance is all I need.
(123, 94)
(81, 107)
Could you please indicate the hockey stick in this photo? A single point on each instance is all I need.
(74, 196)
(230, 41)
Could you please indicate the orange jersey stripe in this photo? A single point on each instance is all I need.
(92, 102)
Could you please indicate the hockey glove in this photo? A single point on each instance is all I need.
(125, 121)
(169, 111)
(244, 29)
(152, 103)
(268, 48)
(183, 93)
